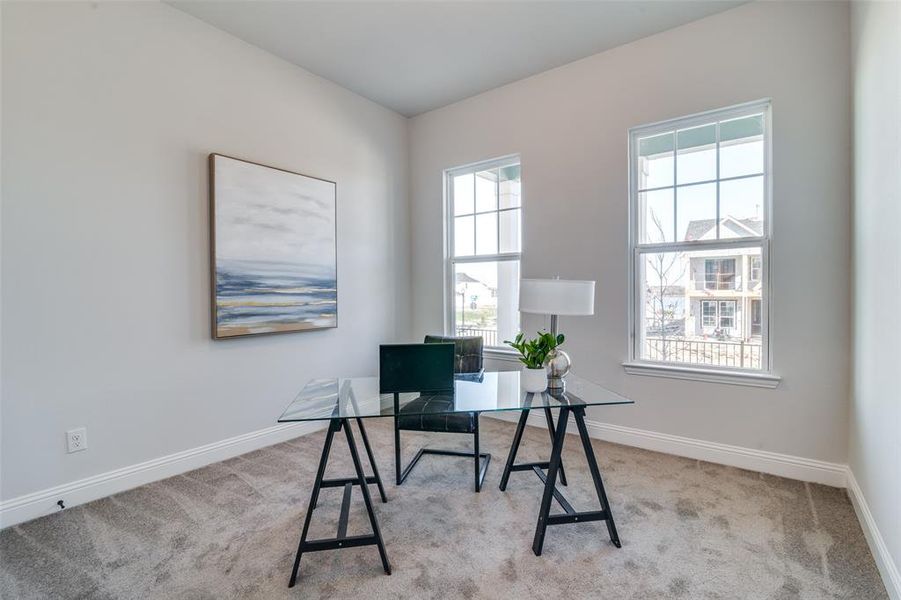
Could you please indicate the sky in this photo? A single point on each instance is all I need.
(265, 214)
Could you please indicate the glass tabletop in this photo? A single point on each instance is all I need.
(327, 399)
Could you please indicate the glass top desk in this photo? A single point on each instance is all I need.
(341, 400)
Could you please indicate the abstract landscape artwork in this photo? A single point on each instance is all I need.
(273, 246)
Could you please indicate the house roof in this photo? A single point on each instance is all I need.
(464, 278)
(698, 229)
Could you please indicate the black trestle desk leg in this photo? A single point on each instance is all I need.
(552, 470)
(367, 500)
(333, 427)
(550, 430)
(342, 540)
(375, 468)
(596, 475)
(511, 457)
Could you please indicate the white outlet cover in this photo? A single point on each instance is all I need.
(77, 440)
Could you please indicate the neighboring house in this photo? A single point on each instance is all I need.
(474, 293)
(723, 296)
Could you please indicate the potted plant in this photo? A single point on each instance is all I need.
(533, 353)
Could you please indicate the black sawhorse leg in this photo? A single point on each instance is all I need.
(553, 466)
(517, 438)
(551, 431)
(570, 515)
(342, 540)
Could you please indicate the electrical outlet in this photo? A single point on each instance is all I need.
(77, 440)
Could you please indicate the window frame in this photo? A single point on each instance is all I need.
(718, 282)
(450, 325)
(763, 377)
(752, 267)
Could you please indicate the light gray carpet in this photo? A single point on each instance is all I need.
(689, 530)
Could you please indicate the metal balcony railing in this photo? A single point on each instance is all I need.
(741, 354)
(489, 336)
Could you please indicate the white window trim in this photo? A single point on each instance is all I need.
(765, 377)
(450, 326)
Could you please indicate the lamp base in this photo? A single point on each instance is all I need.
(556, 384)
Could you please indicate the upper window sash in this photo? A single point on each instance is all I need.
(498, 208)
(640, 194)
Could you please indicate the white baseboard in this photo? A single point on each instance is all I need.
(44, 502)
(784, 465)
(887, 567)
(37, 504)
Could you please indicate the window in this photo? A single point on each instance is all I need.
(755, 269)
(727, 314)
(718, 314)
(719, 274)
(484, 245)
(708, 310)
(699, 240)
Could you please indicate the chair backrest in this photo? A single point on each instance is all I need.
(416, 368)
(467, 351)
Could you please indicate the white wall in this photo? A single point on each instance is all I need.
(570, 124)
(109, 112)
(875, 455)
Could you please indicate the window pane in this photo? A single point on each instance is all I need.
(486, 190)
(719, 274)
(696, 212)
(486, 233)
(655, 161)
(509, 229)
(727, 314)
(682, 320)
(756, 270)
(510, 187)
(708, 313)
(656, 215)
(741, 208)
(741, 146)
(696, 154)
(464, 236)
(463, 194)
(486, 300)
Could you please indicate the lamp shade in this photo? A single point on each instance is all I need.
(556, 296)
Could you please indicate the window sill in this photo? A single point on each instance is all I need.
(764, 380)
(501, 354)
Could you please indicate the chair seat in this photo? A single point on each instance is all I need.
(448, 422)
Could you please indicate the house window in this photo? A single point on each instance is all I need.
(484, 245)
(700, 224)
(756, 269)
(708, 310)
(719, 274)
(727, 314)
(718, 314)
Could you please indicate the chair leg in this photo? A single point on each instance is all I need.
(397, 477)
(477, 458)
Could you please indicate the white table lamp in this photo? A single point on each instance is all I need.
(556, 297)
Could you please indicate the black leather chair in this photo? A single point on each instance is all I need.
(467, 363)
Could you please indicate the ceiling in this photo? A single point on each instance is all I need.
(413, 57)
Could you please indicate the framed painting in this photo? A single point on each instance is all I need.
(273, 250)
